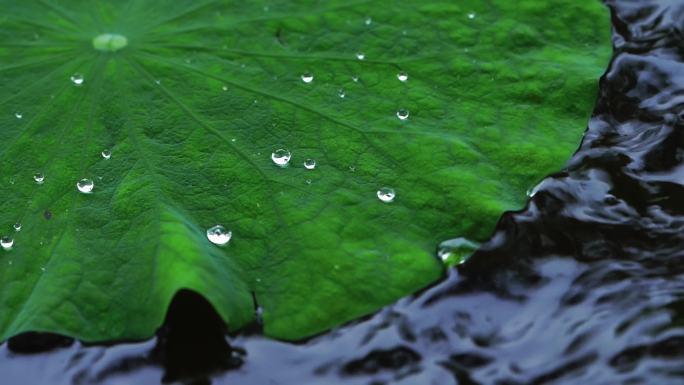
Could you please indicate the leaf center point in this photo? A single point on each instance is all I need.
(109, 42)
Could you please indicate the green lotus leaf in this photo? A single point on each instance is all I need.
(130, 128)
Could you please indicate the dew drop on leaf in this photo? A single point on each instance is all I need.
(386, 194)
(281, 157)
(225, 88)
(456, 250)
(368, 21)
(402, 76)
(106, 153)
(219, 235)
(310, 164)
(6, 243)
(360, 55)
(17, 226)
(18, 115)
(355, 79)
(77, 79)
(307, 77)
(471, 15)
(85, 185)
(402, 114)
(39, 178)
(341, 93)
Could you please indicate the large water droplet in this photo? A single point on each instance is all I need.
(39, 178)
(6, 243)
(310, 164)
(456, 251)
(77, 79)
(219, 235)
(402, 114)
(360, 55)
(402, 76)
(85, 185)
(281, 157)
(386, 194)
(307, 77)
(106, 153)
(18, 115)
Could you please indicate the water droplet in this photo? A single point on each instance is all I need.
(77, 79)
(157, 82)
(368, 21)
(218, 235)
(471, 15)
(225, 88)
(6, 243)
(42, 268)
(456, 250)
(310, 164)
(402, 114)
(85, 185)
(355, 79)
(360, 55)
(17, 227)
(39, 178)
(341, 93)
(109, 42)
(307, 77)
(308, 181)
(18, 115)
(402, 76)
(281, 157)
(106, 153)
(386, 194)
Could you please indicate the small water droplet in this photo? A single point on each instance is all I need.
(106, 153)
(225, 88)
(308, 181)
(307, 77)
(77, 79)
(386, 194)
(458, 250)
(17, 227)
(341, 93)
(42, 268)
(402, 114)
(157, 82)
(402, 76)
(368, 21)
(85, 186)
(281, 157)
(39, 178)
(6, 243)
(352, 168)
(355, 79)
(360, 55)
(310, 164)
(471, 15)
(219, 235)
(18, 115)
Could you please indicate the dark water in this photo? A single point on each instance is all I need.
(585, 286)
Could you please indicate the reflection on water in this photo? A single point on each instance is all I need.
(586, 285)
